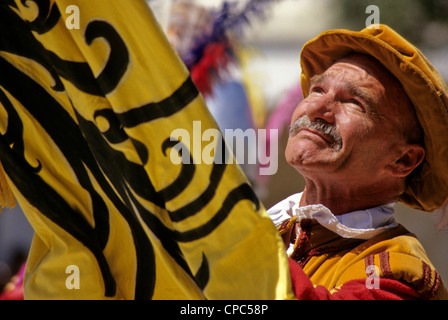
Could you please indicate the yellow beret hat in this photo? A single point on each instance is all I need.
(423, 84)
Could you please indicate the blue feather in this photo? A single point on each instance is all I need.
(228, 19)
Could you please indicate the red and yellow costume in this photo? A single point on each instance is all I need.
(327, 266)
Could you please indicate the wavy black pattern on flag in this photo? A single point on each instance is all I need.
(89, 151)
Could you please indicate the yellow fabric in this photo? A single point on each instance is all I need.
(331, 261)
(423, 84)
(6, 196)
(86, 119)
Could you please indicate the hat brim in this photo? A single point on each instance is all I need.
(429, 189)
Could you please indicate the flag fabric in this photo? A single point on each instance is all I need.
(90, 93)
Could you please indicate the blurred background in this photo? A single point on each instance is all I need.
(244, 58)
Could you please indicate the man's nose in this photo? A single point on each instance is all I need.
(321, 108)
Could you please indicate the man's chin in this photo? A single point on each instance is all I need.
(313, 160)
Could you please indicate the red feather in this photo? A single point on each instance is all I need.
(208, 70)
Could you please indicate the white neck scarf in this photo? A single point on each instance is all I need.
(361, 224)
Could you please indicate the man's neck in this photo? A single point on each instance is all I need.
(341, 199)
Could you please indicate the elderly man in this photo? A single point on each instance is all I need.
(370, 132)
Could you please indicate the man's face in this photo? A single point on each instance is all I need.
(347, 126)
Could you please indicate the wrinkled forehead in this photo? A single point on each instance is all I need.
(370, 66)
(366, 77)
(345, 72)
(357, 82)
(368, 70)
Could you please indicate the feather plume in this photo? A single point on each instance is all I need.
(230, 18)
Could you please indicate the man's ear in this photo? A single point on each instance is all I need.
(410, 157)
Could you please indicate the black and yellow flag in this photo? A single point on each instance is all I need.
(86, 115)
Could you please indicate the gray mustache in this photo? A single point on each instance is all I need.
(319, 125)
